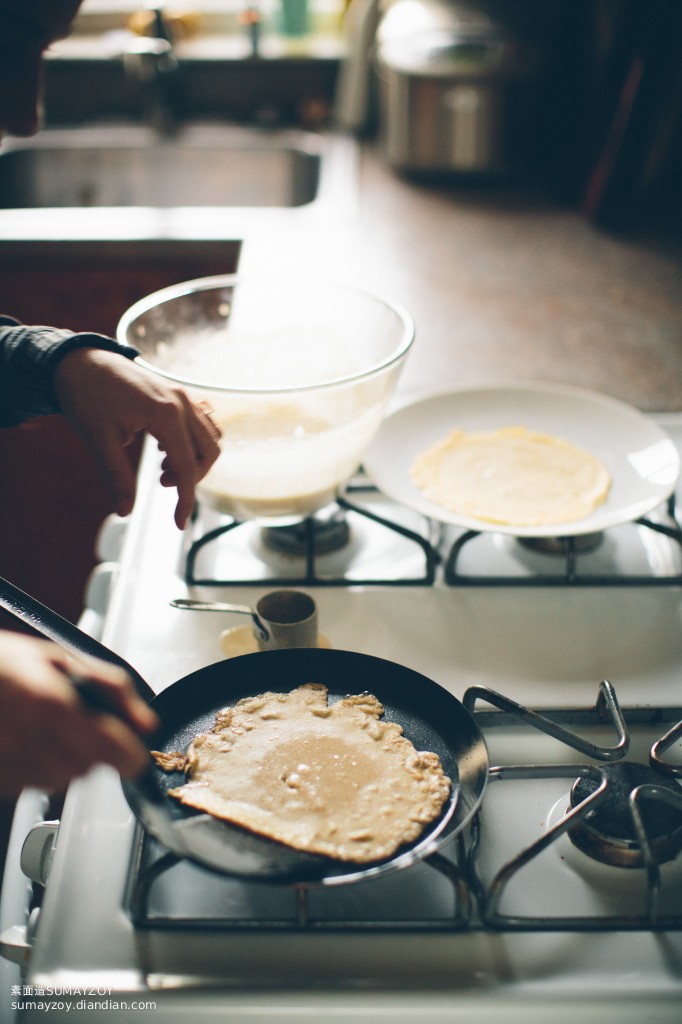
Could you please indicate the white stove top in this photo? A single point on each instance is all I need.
(546, 647)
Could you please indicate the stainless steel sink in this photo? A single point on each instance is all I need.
(123, 166)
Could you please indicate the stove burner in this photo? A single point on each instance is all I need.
(563, 546)
(608, 834)
(320, 535)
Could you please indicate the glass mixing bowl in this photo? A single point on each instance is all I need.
(299, 374)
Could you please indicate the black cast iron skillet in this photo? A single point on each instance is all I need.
(430, 716)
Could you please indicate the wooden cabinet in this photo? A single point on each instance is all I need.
(52, 497)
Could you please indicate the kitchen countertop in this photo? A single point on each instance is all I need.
(502, 285)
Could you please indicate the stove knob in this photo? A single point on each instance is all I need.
(38, 850)
(14, 945)
(32, 925)
(110, 538)
(96, 600)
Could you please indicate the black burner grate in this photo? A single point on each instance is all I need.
(439, 556)
(306, 568)
(568, 554)
(466, 901)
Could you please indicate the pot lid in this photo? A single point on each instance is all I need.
(431, 38)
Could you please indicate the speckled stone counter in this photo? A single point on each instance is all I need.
(502, 287)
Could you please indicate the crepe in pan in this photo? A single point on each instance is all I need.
(331, 779)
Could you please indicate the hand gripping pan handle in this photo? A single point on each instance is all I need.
(212, 843)
(51, 625)
(143, 792)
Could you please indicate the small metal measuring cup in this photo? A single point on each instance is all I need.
(281, 618)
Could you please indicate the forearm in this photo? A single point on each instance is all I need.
(28, 357)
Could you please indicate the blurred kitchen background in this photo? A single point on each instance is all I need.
(581, 97)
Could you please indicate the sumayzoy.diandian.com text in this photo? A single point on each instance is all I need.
(73, 999)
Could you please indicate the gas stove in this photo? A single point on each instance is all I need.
(564, 897)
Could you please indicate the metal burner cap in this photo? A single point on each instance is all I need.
(312, 536)
(562, 546)
(608, 832)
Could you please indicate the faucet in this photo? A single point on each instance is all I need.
(352, 99)
(151, 62)
(250, 18)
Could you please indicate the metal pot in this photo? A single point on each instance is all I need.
(455, 89)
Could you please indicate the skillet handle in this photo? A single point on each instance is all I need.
(145, 786)
(52, 626)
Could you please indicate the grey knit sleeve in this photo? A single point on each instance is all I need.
(28, 357)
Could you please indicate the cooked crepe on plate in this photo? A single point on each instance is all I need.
(511, 476)
(332, 779)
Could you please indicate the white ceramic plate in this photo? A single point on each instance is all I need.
(641, 458)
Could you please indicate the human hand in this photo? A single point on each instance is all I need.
(110, 401)
(47, 734)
